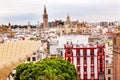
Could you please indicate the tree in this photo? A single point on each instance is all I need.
(47, 69)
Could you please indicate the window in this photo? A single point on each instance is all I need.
(71, 30)
(78, 69)
(92, 69)
(100, 60)
(114, 40)
(63, 31)
(109, 71)
(68, 52)
(78, 58)
(92, 52)
(92, 60)
(109, 78)
(33, 59)
(85, 69)
(100, 69)
(33, 53)
(85, 77)
(78, 53)
(28, 59)
(92, 77)
(85, 61)
(61, 52)
(106, 61)
(78, 61)
(84, 52)
(101, 76)
(100, 50)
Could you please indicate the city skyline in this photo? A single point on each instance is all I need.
(24, 11)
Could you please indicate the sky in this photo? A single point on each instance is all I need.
(21, 12)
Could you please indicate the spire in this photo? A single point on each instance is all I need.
(9, 24)
(45, 9)
(67, 14)
(68, 19)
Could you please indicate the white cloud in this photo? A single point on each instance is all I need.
(59, 8)
(8, 7)
(80, 2)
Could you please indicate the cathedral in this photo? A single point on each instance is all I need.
(74, 27)
(68, 26)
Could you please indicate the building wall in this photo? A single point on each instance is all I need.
(116, 66)
(116, 54)
(36, 57)
(83, 61)
(88, 72)
(75, 29)
(109, 72)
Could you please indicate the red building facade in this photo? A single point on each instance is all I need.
(88, 60)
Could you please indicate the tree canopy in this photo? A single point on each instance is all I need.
(47, 69)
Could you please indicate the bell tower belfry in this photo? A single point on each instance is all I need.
(45, 18)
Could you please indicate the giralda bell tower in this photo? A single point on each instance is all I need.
(45, 18)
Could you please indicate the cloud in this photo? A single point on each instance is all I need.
(21, 11)
(85, 10)
(11, 7)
